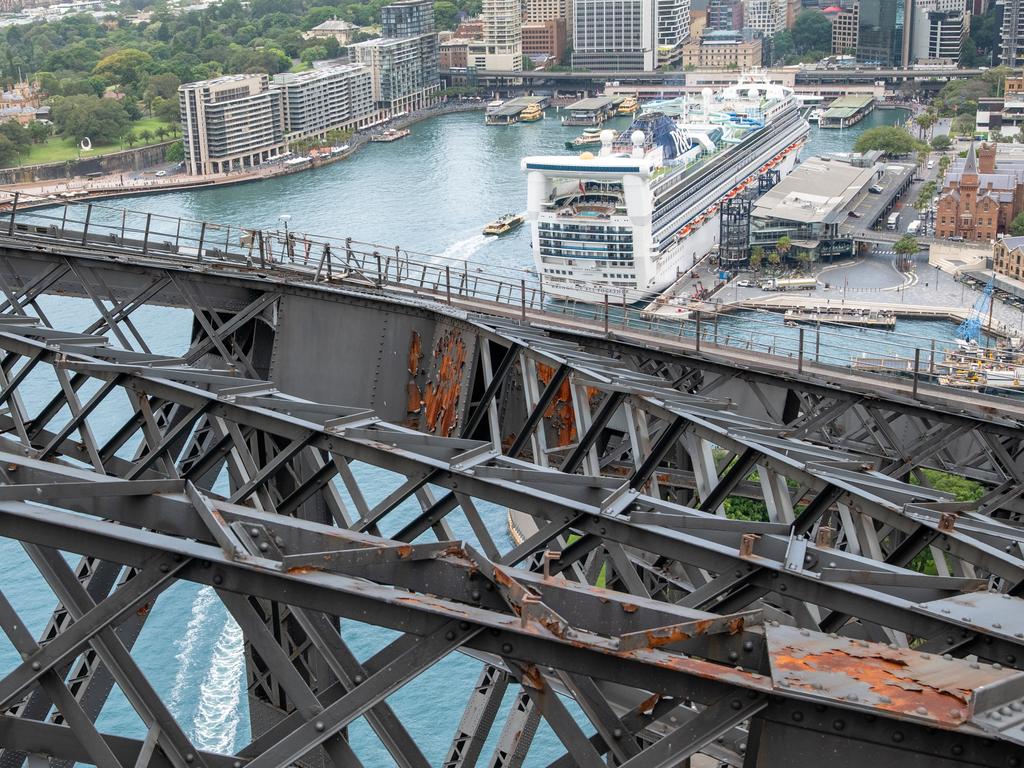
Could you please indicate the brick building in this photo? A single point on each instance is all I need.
(981, 196)
(544, 38)
(1008, 257)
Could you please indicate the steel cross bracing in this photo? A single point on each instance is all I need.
(621, 466)
(715, 670)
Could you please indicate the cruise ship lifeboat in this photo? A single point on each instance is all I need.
(684, 232)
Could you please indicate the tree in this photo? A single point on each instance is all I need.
(313, 53)
(782, 247)
(941, 143)
(160, 132)
(925, 121)
(805, 257)
(888, 138)
(104, 121)
(18, 136)
(1017, 225)
(812, 31)
(38, 132)
(175, 153)
(124, 67)
(906, 246)
(166, 110)
(146, 136)
(963, 125)
(446, 15)
(924, 197)
(756, 257)
(8, 153)
(774, 258)
(129, 139)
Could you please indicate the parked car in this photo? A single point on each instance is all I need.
(854, 214)
(161, 173)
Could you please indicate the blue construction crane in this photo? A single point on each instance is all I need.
(970, 329)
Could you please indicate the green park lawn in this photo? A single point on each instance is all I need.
(57, 149)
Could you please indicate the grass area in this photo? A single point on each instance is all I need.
(300, 66)
(57, 149)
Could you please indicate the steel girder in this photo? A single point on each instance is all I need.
(551, 633)
(628, 494)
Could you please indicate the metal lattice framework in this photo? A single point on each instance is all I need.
(804, 631)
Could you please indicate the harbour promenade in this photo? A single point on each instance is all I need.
(129, 185)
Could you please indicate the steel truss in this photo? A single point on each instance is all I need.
(759, 642)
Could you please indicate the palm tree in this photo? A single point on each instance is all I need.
(146, 136)
(161, 131)
(756, 257)
(925, 121)
(783, 245)
(906, 247)
(129, 139)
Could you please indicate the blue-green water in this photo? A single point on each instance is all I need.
(431, 192)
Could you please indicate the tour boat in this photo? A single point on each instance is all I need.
(504, 224)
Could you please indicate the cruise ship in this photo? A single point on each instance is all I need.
(630, 218)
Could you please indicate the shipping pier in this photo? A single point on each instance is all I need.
(594, 111)
(847, 111)
(510, 112)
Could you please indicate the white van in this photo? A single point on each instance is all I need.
(931, 164)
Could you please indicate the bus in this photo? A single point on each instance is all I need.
(894, 220)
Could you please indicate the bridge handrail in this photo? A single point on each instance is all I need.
(508, 291)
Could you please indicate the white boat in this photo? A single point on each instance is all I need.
(628, 219)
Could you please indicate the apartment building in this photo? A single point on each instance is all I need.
(939, 28)
(503, 35)
(845, 30)
(765, 16)
(615, 35)
(544, 39)
(403, 62)
(673, 18)
(328, 99)
(725, 15)
(1011, 41)
(539, 11)
(230, 123)
(1008, 257)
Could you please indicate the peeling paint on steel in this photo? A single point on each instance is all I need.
(857, 673)
(441, 398)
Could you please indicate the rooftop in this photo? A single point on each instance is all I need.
(291, 78)
(335, 25)
(599, 102)
(817, 191)
(845, 106)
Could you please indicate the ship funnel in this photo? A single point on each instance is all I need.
(607, 137)
(637, 138)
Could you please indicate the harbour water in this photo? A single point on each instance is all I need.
(431, 192)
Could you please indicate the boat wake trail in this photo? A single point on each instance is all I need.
(217, 718)
(185, 646)
(462, 250)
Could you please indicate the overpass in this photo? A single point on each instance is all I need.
(805, 76)
(797, 630)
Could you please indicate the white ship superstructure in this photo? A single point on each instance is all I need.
(632, 217)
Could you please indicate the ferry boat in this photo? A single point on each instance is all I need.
(630, 218)
(629, 106)
(589, 137)
(531, 114)
(391, 134)
(504, 224)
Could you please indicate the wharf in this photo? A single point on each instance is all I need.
(592, 111)
(843, 316)
(509, 112)
(846, 111)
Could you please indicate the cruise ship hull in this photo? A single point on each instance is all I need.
(633, 225)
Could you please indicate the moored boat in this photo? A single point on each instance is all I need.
(629, 106)
(531, 114)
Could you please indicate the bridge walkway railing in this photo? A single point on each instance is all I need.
(508, 291)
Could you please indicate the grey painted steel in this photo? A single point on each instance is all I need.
(717, 638)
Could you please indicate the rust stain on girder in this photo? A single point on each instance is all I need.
(898, 682)
(414, 396)
(560, 414)
(441, 398)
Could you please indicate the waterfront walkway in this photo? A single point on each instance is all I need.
(145, 183)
